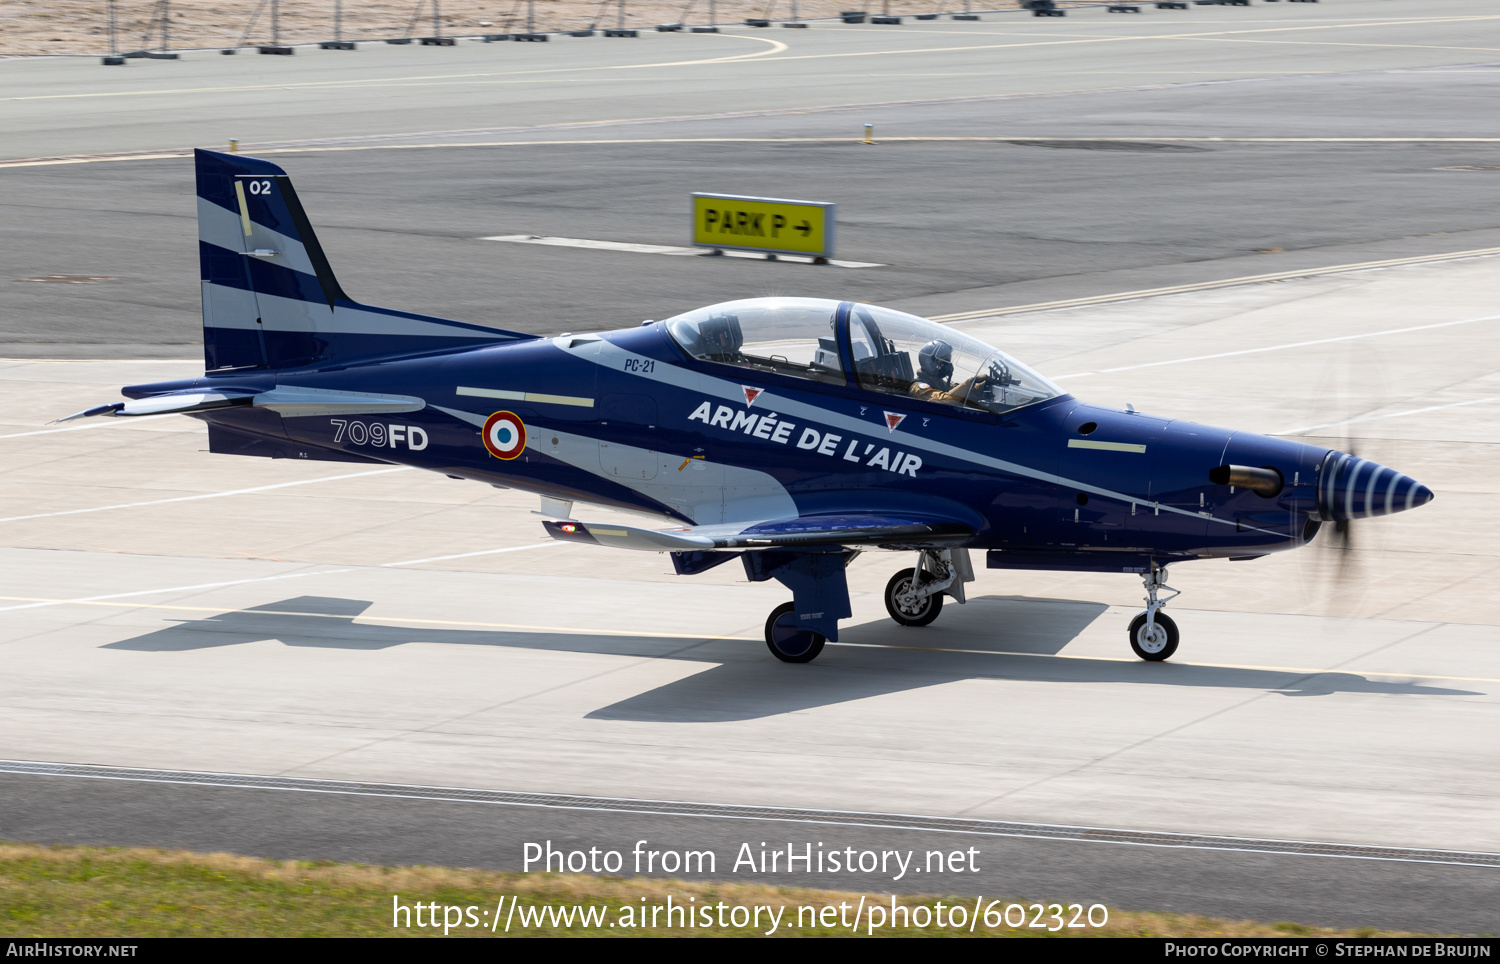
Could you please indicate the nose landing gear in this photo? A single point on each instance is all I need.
(1153, 634)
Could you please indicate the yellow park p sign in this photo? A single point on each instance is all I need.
(772, 225)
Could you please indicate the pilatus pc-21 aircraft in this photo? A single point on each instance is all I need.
(790, 433)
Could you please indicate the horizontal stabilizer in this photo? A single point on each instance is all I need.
(285, 400)
(166, 404)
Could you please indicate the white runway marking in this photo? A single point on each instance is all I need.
(206, 495)
(467, 555)
(635, 248)
(152, 592)
(79, 428)
(1145, 293)
(1256, 351)
(1376, 418)
(598, 245)
(776, 47)
(241, 582)
(932, 823)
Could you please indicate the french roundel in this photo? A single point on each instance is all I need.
(504, 435)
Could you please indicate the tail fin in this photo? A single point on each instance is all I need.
(270, 299)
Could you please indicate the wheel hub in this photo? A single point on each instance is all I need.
(909, 602)
(1153, 639)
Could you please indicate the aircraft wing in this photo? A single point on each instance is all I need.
(849, 529)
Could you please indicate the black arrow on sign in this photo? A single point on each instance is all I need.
(805, 227)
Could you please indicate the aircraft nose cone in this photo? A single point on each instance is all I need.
(1350, 487)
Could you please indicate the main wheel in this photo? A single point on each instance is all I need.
(1157, 645)
(920, 613)
(787, 641)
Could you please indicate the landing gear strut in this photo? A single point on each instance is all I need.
(914, 597)
(1153, 634)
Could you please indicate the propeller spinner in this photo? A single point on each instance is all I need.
(1350, 487)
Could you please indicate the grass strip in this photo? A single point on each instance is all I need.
(66, 891)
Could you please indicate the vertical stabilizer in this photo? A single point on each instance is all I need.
(270, 299)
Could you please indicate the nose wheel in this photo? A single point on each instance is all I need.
(1153, 634)
(1155, 642)
(787, 641)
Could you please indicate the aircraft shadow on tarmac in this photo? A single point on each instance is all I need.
(746, 683)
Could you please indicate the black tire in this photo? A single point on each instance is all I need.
(1154, 650)
(925, 613)
(786, 641)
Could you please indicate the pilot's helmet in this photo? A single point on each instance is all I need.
(935, 360)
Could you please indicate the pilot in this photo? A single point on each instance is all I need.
(934, 381)
(935, 366)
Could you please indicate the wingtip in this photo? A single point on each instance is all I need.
(567, 530)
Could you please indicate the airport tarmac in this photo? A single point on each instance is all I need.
(1098, 155)
(58, 106)
(368, 624)
(169, 610)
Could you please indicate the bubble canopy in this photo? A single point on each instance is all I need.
(891, 352)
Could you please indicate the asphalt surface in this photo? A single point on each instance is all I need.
(1123, 155)
(1111, 154)
(1391, 893)
(74, 106)
(955, 224)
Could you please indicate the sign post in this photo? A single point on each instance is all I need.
(773, 226)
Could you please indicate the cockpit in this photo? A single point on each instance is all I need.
(890, 351)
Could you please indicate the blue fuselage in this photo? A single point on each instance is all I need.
(627, 419)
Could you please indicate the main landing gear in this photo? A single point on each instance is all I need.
(787, 641)
(1153, 634)
(914, 597)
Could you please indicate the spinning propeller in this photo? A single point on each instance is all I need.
(1341, 534)
(1351, 487)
